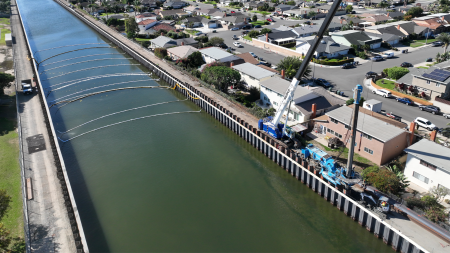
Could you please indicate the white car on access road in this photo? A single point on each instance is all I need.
(383, 93)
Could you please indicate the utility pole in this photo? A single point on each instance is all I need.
(356, 96)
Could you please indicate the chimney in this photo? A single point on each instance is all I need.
(231, 64)
(398, 26)
(267, 37)
(314, 109)
(182, 43)
(342, 21)
(412, 127)
(433, 136)
(162, 34)
(442, 18)
(282, 73)
(387, 14)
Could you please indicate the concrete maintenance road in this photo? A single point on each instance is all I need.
(49, 225)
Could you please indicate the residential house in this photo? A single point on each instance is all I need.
(273, 89)
(428, 165)
(252, 75)
(435, 24)
(187, 42)
(150, 3)
(213, 54)
(162, 42)
(395, 15)
(146, 24)
(254, 5)
(279, 38)
(306, 30)
(376, 139)
(354, 37)
(281, 8)
(180, 52)
(408, 78)
(351, 2)
(385, 29)
(174, 4)
(199, 21)
(353, 21)
(298, 13)
(323, 8)
(308, 4)
(173, 13)
(206, 11)
(406, 28)
(191, 9)
(434, 82)
(235, 19)
(390, 39)
(145, 16)
(327, 47)
(248, 58)
(165, 27)
(377, 19)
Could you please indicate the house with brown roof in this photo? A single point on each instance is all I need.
(435, 24)
(146, 24)
(377, 19)
(181, 52)
(173, 13)
(165, 27)
(145, 16)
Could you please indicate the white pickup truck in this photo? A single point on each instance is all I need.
(388, 55)
(26, 87)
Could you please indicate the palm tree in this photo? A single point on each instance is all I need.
(444, 38)
(136, 5)
(107, 7)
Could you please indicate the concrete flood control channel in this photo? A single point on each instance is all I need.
(264, 145)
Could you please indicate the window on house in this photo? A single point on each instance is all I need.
(367, 136)
(428, 81)
(368, 150)
(348, 127)
(330, 131)
(334, 121)
(275, 103)
(438, 85)
(296, 116)
(420, 177)
(431, 166)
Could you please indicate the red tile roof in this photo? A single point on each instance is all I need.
(147, 21)
(164, 27)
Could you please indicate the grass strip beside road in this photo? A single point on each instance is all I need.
(247, 38)
(390, 85)
(141, 39)
(10, 172)
(259, 22)
(2, 40)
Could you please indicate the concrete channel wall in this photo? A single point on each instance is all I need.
(283, 157)
(71, 207)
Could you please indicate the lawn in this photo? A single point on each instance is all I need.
(4, 21)
(422, 67)
(262, 12)
(247, 38)
(210, 2)
(10, 173)
(426, 41)
(259, 22)
(110, 13)
(140, 39)
(390, 85)
(193, 32)
(2, 40)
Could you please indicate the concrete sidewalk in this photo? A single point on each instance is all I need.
(50, 229)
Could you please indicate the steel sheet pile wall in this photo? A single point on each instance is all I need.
(283, 157)
(71, 207)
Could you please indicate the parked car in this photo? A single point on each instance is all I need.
(429, 60)
(388, 55)
(406, 65)
(234, 37)
(223, 46)
(361, 7)
(263, 62)
(237, 44)
(393, 116)
(323, 82)
(258, 26)
(253, 54)
(425, 123)
(234, 29)
(244, 32)
(377, 58)
(346, 66)
(214, 31)
(430, 108)
(231, 11)
(446, 115)
(198, 34)
(371, 74)
(383, 93)
(406, 101)
(269, 19)
(437, 44)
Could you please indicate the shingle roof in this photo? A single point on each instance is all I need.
(355, 38)
(248, 58)
(408, 78)
(431, 152)
(386, 37)
(182, 51)
(186, 41)
(172, 12)
(282, 35)
(329, 47)
(367, 124)
(279, 85)
(164, 27)
(215, 53)
(253, 71)
(147, 21)
(162, 41)
(145, 15)
(307, 29)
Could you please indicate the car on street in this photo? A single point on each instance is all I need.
(430, 108)
(446, 115)
(237, 44)
(323, 82)
(253, 54)
(406, 65)
(406, 101)
(269, 19)
(425, 123)
(231, 11)
(377, 58)
(361, 7)
(263, 62)
(244, 32)
(258, 26)
(437, 44)
(234, 37)
(26, 88)
(234, 29)
(198, 34)
(429, 60)
(223, 46)
(371, 74)
(383, 93)
(388, 55)
(346, 66)
(393, 116)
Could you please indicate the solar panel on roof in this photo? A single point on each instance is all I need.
(438, 75)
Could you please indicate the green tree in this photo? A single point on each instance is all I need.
(439, 193)
(254, 18)
(349, 9)
(107, 7)
(253, 34)
(311, 14)
(160, 52)
(265, 30)
(444, 38)
(446, 131)
(385, 181)
(290, 65)
(5, 238)
(398, 172)
(5, 81)
(221, 77)
(5, 201)
(397, 72)
(290, 3)
(368, 170)
(414, 12)
(350, 101)
(383, 5)
(136, 4)
(195, 59)
(131, 27)
(216, 41)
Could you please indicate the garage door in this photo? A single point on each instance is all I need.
(213, 25)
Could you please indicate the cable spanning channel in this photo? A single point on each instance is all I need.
(125, 121)
(91, 55)
(70, 46)
(97, 77)
(127, 110)
(99, 67)
(64, 97)
(105, 91)
(85, 62)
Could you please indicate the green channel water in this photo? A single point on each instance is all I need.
(174, 183)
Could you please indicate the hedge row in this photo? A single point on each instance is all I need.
(335, 63)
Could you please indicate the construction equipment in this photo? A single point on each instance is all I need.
(273, 126)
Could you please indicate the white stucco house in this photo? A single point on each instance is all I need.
(213, 54)
(428, 165)
(327, 47)
(252, 74)
(355, 37)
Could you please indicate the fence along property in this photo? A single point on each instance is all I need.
(279, 154)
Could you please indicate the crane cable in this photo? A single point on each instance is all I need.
(174, 87)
